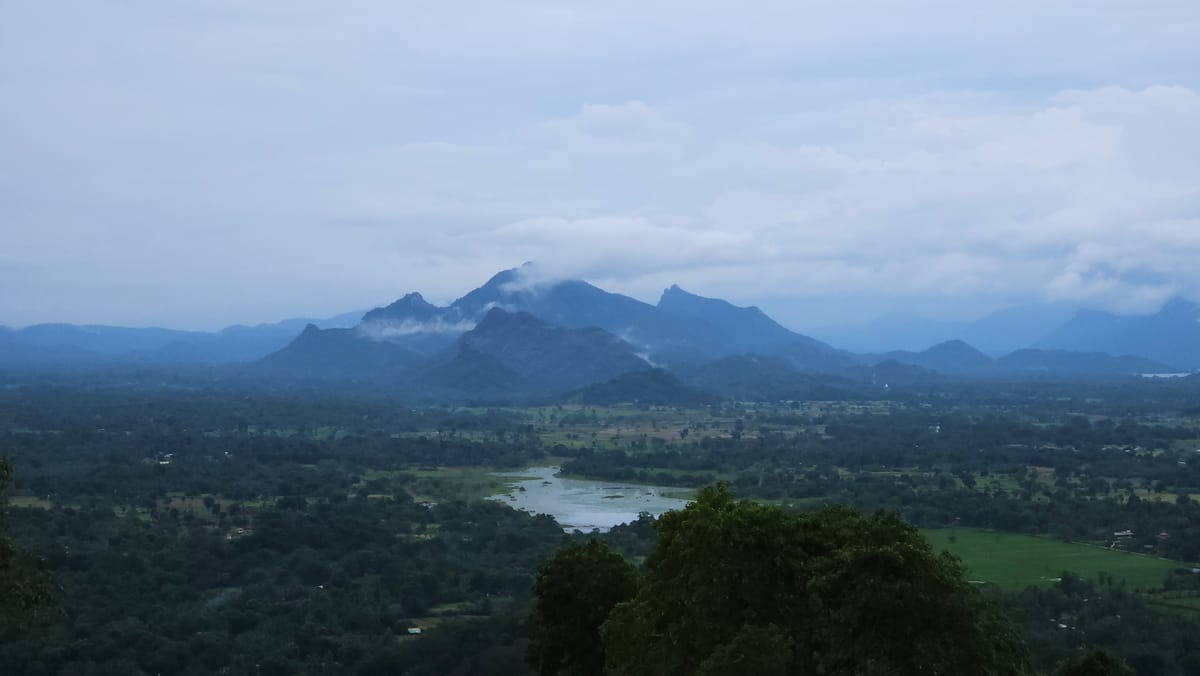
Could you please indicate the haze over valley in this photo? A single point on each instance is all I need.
(563, 338)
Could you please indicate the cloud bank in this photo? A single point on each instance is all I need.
(195, 165)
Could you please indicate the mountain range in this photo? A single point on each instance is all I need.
(517, 335)
(70, 345)
(957, 358)
(682, 327)
(996, 333)
(1171, 335)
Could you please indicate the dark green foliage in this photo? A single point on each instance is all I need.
(151, 585)
(924, 461)
(26, 591)
(575, 591)
(1152, 637)
(851, 594)
(763, 650)
(656, 387)
(1095, 663)
(470, 647)
(311, 554)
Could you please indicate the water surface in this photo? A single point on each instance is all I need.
(584, 504)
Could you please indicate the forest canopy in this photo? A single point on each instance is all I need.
(735, 587)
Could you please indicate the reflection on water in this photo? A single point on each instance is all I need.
(584, 505)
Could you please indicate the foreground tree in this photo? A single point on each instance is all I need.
(1095, 663)
(576, 590)
(736, 587)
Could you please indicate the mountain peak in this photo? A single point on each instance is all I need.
(411, 306)
(503, 277)
(676, 294)
(412, 300)
(958, 352)
(740, 329)
(955, 346)
(510, 277)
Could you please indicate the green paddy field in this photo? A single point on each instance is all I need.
(1015, 561)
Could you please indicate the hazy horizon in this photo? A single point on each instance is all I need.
(833, 330)
(197, 166)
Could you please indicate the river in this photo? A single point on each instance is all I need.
(584, 505)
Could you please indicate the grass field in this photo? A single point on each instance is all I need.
(1016, 561)
(1176, 602)
(29, 501)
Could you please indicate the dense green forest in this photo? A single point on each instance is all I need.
(175, 528)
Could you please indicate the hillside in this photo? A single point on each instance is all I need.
(545, 357)
(1170, 336)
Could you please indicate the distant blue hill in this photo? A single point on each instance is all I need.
(682, 328)
(1064, 363)
(995, 334)
(1170, 336)
(558, 325)
(957, 358)
(341, 354)
(519, 337)
(66, 345)
(954, 357)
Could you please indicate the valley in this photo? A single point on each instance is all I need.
(263, 516)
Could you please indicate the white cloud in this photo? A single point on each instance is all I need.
(201, 164)
(382, 329)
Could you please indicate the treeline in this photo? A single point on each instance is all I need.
(1063, 621)
(197, 533)
(1075, 478)
(321, 589)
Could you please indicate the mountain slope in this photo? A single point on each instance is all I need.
(953, 357)
(578, 304)
(754, 377)
(817, 357)
(737, 329)
(1062, 363)
(340, 354)
(546, 357)
(71, 344)
(1170, 336)
(656, 387)
(481, 375)
(683, 328)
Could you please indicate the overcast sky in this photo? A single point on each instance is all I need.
(197, 163)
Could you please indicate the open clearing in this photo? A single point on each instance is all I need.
(1015, 561)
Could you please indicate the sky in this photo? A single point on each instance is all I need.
(195, 164)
